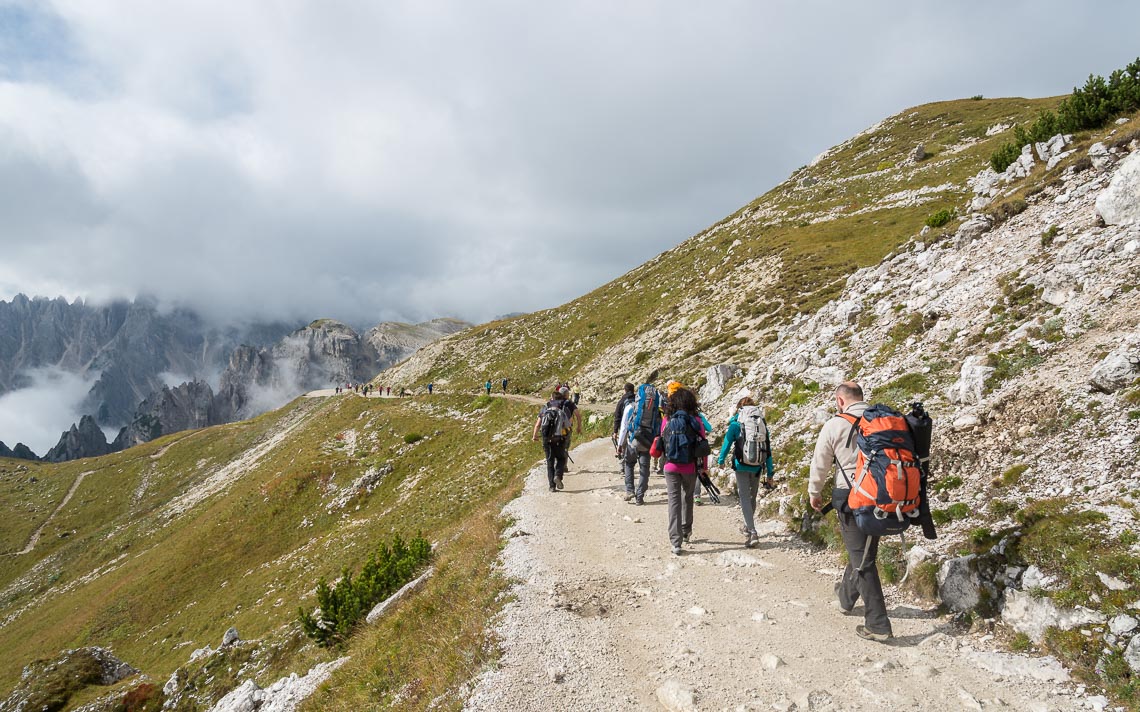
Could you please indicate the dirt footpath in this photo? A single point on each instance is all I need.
(605, 617)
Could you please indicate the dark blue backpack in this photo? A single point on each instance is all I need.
(682, 439)
(646, 417)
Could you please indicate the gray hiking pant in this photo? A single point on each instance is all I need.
(865, 584)
(641, 459)
(680, 489)
(555, 460)
(747, 486)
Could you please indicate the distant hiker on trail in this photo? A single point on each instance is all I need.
(577, 393)
(553, 424)
(836, 445)
(338, 390)
(389, 390)
(431, 386)
(504, 385)
(750, 443)
(640, 424)
(487, 385)
(683, 445)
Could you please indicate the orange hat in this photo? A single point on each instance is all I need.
(672, 387)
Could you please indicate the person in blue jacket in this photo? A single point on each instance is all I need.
(747, 476)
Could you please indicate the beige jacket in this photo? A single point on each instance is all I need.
(832, 446)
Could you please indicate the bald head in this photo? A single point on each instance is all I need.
(848, 393)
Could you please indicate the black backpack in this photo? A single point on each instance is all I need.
(554, 423)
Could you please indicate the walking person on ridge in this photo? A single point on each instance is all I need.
(836, 446)
(754, 444)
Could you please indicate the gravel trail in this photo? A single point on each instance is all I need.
(604, 617)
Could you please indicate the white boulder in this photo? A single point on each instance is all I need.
(716, 377)
(675, 697)
(958, 584)
(1119, 203)
(971, 383)
(1033, 616)
(1116, 371)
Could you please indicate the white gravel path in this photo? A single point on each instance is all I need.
(604, 617)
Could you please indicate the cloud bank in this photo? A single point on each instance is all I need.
(403, 160)
(38, 414)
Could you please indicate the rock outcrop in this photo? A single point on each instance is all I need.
(86, 439)
(190, 405)
(20, 452)
(394, 341)
(39, 686)
(1119, 203)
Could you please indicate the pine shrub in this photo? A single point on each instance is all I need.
(1088, 107)
(340, 607)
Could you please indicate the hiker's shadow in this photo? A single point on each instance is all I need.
(911, 641)
(722, 546)
(911, 613)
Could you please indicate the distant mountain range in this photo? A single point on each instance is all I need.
(135, 352)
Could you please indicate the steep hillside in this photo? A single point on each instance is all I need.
(154, 552)
(723, 294)
(1007, 303)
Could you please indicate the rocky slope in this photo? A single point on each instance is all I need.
(394, 341)
(1016, 320)
(20, 452)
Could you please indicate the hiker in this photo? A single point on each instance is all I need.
(572, 413)
(430, 387)
(487, 385)
(836, 445)
(627, 396)
(504, 385)
(639, 427)
(680, 445)
(553, 424)
(750, 442)
(577, 393)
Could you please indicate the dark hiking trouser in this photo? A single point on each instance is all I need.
(555, 460)
(641, 459)
(680, 489)
(747, 486)
(864, 584)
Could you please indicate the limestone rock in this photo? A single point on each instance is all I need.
(847, 312)
(231, 636)
(958, 585)
(1046, 150)
(246, 697)
(972, 229)
(1116, 371)
(1119, 203)
(1032, 616)
(1132, 654)
(716, 377)
(675, 697)
(1021, 167)
(171, 410)
(918, 154)
(395, 341)
(770, 662)
(20, 452)
(1122, 624)
(1100, 156)
(970, 386)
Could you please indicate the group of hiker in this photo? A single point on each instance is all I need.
(879, 457)
(365, 389)
(487, 386)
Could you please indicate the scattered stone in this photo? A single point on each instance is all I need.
(697, 611)
(555, 674)
(925, 672)
(1035, 578)
(1116, 371)
(1098, 703)
(676, 697)
(1132, 654)
(968, 701)
(1046, 669)
(918, 154)
(1046, 150)
(1100, 157)
(972, 229)
(201, 653)
(971, 383)
(1033, 616)
(1112, 583)
(958, 584)
(770, 662)
(246, 697)
(1122, 624)
(230, 637)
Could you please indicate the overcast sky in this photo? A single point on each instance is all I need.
(374, 160)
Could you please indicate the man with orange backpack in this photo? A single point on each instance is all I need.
(837, 446)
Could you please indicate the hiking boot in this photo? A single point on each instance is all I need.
(640, 501)
(558, 483)
(862, 632)
(753, 540)
(685, 538)
(628, 496)
(697, 500)
(676, 551)
(768, 484)
(553, 488)
(839, 602)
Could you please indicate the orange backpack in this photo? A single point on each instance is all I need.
(887, 484)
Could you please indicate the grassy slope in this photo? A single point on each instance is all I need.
(797, 243)
(249, 557)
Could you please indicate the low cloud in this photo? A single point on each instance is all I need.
(36, 415)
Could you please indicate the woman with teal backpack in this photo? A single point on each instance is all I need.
(751, 444)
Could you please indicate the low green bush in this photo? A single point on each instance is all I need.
(940, 218)
(413, 438)
(340, 607)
